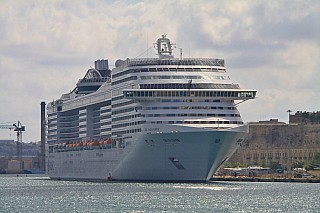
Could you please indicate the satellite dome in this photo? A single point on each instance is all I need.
(119, 62)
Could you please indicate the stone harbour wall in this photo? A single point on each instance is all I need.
(279, 142)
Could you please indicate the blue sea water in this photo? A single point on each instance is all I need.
(39, 194)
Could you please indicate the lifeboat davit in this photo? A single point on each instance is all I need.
(86, 144)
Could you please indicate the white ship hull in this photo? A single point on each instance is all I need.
(169, 157)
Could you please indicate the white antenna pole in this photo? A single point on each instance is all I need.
(147, 46)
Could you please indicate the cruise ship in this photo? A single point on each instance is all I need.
(148, 119)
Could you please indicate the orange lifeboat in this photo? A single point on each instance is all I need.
(108, 143)
(101, 142)
(80, 144)
(96, 143)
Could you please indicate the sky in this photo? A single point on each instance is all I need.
(47, 45)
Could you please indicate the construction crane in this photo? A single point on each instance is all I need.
(19, 129)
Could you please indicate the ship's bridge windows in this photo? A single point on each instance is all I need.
(246, 94)
(240, 94)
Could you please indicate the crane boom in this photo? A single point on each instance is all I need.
(19, 129)
(7, 127)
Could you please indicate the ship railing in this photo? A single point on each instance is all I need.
(175, 61)
(93, 80)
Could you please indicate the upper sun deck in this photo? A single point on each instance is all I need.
(167, 61)
(175, 62)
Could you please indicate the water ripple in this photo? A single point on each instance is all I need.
(39, 194)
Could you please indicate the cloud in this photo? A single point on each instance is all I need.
(46, 46)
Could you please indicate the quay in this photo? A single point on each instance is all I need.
(261, 179)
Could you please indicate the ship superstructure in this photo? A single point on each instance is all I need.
(149, 119)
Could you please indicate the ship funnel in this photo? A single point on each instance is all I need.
(101, 64)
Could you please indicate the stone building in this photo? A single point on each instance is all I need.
(305, 117)
(4, 163)
(279, 142)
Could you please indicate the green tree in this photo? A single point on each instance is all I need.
(316, 157)
(227, 165)
(315, 162)
(244, 165)
(238, 164)
(274, 165)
